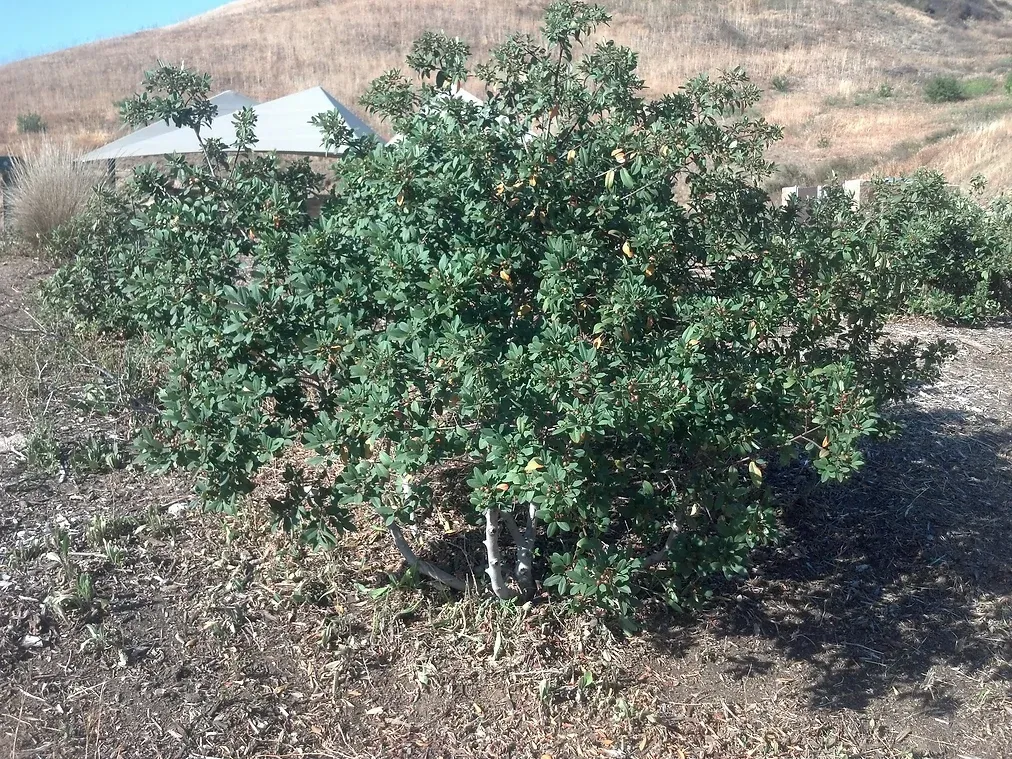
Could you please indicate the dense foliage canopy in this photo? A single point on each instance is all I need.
(566, 311)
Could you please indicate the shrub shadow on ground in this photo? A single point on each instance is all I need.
(896, 583)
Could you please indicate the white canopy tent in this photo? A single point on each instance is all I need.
(282, 126)
(227, 102)
(460, 93)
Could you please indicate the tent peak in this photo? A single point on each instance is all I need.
(283, 125)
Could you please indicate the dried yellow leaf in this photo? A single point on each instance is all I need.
(533, 465)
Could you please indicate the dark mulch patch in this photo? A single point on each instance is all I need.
(17, 277)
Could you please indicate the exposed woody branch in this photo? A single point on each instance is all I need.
(426, 568)
(661, 555)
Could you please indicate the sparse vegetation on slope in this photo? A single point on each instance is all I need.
(826, 50)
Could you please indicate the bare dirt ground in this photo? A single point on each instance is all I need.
(881, 627)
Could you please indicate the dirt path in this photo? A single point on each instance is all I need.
(17, 276)
(882, 627)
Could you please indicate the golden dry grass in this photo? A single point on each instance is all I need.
(831, 53)
(975, 149)
(49, 187)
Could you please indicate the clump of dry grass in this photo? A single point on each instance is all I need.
(977, 150)
(49, 189)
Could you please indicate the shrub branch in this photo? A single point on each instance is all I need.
(426, 568)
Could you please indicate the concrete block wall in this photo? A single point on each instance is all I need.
(858, 189)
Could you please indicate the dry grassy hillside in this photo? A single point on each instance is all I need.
(844, 77)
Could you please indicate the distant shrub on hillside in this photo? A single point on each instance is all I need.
(31, 123)
(944, 89)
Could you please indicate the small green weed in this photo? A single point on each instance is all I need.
(155, 523)
(26, 553)
(869, 97)
(97, 454)
(115, 554)
(101, 639)
(59, 546)
(105, 528)
(43, 450)
(92, 397)
(79, 596)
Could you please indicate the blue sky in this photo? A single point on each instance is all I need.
(32, 27)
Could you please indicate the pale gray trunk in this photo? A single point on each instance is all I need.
(660, 556)
(525, 550)
(494, 571)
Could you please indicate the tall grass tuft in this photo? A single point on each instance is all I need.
(49, 189)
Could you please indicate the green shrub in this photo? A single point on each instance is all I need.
(30, 123)
(508, 314)
(780, 83)
(1008, 83)
(944, 89)
(953, 255)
